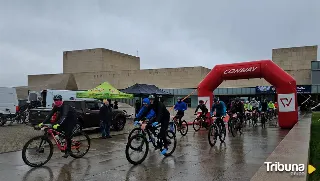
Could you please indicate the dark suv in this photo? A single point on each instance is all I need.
(88, 114)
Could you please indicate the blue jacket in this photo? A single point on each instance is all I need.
(220, 109)
(180, 106)
(143, 113)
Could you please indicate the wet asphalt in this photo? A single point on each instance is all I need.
(194, 159)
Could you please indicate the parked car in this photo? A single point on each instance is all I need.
(88, 114)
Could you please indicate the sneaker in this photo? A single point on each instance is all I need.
(109, 136)
(66, 155)
(164, 151)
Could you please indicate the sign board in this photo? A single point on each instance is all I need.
(265, 90)
(206, 101)
(304, 89)
(286, 102)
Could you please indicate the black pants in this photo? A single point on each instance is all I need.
(179, 115)
(68, 128)
(204, 115)
(163, 130)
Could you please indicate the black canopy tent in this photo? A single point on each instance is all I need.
(144, 90)
(141, 90)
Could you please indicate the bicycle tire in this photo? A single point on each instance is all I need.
(232, 127)
(2, 121)
(212, 130)
(223, 130)
(128, 146)
(174, 142)
(88, 148)
(186, 124)
(173, 127)
(24, 158)
(139, 130)
(194, 123)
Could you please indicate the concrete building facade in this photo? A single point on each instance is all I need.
(94, 66)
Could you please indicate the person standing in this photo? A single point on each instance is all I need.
(105, 119)
(137, 106)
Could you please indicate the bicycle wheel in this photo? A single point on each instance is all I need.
(197, 124)
(80, 140)
(171, 138)
(133, 140)
(212, 135)
(40, 148)
(183, 128)
(173, 126)
(222, 134)
(3, 121)
(134, 132)
(232, 127)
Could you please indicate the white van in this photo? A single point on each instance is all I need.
(47, 96)
(8, 100)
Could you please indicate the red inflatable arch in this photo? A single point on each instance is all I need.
(285, 85)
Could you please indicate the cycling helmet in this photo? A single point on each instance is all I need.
(146, 101)
(237, 99)
(152, 97)
(215, 99)
(57, 97)
(247, 101)
(201, 102)
(253, 99)
(179, 99)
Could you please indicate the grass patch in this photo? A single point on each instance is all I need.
(314, 149)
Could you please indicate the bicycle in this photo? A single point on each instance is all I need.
(255, 117)
(142, 137)
(248, 119)
(140, 129)
(59, 139)
(235, 124)
(201, 122)
(181, 126)
(264, 118)
(216, 129)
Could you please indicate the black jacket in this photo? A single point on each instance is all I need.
(264, 106)
(202, 107)
(237, 107)
(65, 112)
(105, 113)
(162, 113)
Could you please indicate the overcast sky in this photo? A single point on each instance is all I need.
(167, 33)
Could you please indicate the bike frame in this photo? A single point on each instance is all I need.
(49, 132)
(147, 131)
(207, 120)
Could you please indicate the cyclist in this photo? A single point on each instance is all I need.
(203, 108)
(264, 106)
(255, 104)
(220, 108)
(163, 117)
(144, 111)
(66, 120)
(238, 107)
(271, 107)
(147, 113)
(229, 105)
(180, 106)
(247, 106)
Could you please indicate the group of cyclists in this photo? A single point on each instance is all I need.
(156, 113)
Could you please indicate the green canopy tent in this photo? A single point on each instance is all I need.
(104, 91)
